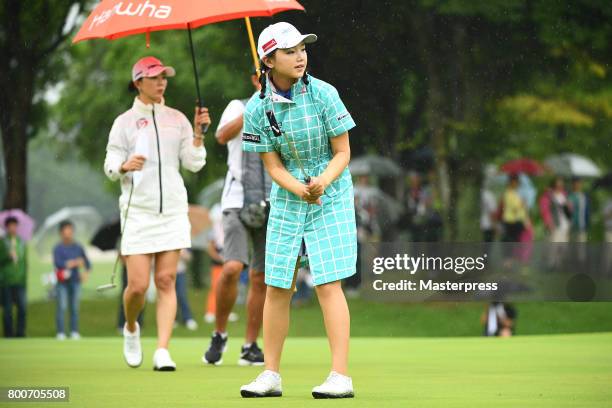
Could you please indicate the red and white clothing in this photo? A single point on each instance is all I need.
(157, 219)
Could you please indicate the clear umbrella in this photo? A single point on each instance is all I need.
(573, 165)
(86, 221)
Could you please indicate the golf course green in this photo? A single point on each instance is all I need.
(557, 371)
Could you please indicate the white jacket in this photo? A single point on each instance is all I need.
(165, 137)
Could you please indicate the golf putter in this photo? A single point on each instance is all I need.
(278, 132)
(112, 284)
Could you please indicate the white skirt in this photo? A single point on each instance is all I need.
(147, 233)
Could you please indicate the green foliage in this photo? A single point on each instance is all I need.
(476, 81)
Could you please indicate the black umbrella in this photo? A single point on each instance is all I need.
(107, 236)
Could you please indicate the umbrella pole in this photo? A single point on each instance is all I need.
(252, 42)
(195, 73)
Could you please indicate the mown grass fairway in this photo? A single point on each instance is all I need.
(529, 371)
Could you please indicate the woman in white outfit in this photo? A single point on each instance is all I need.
(146, 147)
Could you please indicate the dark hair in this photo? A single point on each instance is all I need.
(132, 88)
(10, 220)
(264, 70)
(514, 177)
(64, 224)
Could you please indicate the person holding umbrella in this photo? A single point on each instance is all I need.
(299, 125)
(146, 147)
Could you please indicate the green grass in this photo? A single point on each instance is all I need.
(99, 316)
(530, 371)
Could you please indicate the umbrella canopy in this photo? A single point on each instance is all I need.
(211, 195)
(86, 221)
(26, 223)
(573, 165)
(374, 165)
(107, 236)
(112, 19)
(524, 165)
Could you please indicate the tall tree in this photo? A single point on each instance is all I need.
(30, 33)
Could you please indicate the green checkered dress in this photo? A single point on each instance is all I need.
(314, 114)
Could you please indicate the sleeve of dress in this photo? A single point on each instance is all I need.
(254, 137)
(336, 117)
(116, 151)
(192, 158)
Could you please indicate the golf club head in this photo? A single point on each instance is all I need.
(108, 286)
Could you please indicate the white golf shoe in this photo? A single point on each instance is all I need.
(162, 360)
(267, 384)
(335, 386)
(132, 351)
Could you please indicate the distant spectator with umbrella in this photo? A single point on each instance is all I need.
(556, 213)
(607, 217)
(488, 212)
(72, 268)
(147, 146)
(423, 217)
(513, 211)
(13, 277)
(581, 211)
(555, 210)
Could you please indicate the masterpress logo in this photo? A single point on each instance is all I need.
(133, 8)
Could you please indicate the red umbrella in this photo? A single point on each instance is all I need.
(113, 19)
(524, 165)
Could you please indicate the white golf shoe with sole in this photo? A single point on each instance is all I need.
(162, 360)
(335, 386)
(267, 384)
(132, 351)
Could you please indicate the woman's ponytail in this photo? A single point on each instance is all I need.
(262, 79)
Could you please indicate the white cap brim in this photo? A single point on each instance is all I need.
(305, 38)
(170, 72)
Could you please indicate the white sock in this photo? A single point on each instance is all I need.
(223, 335)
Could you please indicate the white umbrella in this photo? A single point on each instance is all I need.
(573, 165)
(86, 221)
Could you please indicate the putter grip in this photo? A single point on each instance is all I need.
(204, 129)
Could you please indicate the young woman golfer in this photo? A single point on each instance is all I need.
(300, 126)
(146, 146)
